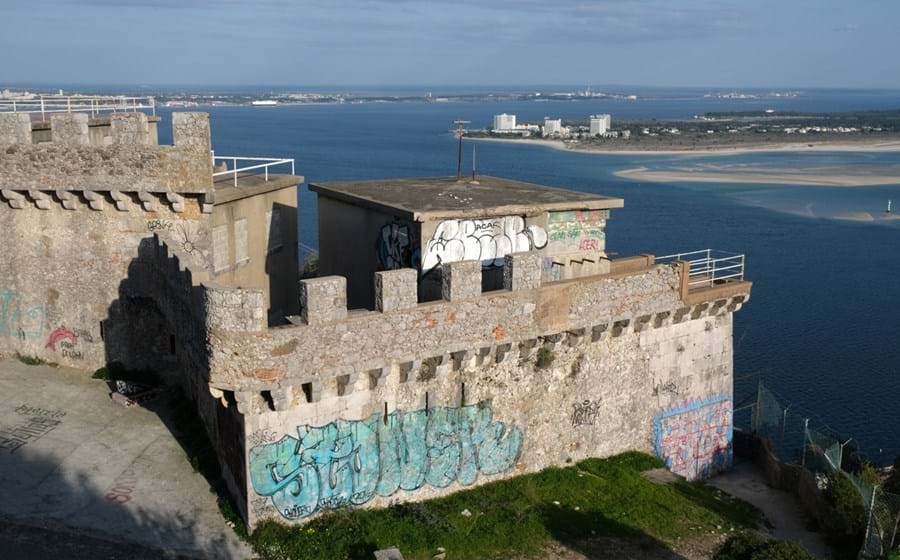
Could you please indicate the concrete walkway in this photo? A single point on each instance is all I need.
(71, 458)
(780, 508)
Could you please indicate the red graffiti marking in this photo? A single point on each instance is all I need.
(61, 333)
(589, 244)
(123, 486)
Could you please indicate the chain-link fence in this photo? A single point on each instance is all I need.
(798, 439)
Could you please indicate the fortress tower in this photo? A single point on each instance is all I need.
(487, 334)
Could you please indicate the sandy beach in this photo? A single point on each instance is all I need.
(876, 146)
(825, 177)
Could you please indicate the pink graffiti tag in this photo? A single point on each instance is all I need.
(59, 334)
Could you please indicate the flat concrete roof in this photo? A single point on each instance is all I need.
(251, 185)
(431, 198)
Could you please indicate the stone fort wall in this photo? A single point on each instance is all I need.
(366, 408)
(73, 217)
(412, 401)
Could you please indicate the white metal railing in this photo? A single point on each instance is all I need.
(709, 267)
(253, 169)
(94, 105)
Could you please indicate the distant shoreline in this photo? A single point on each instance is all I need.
(860, 146)
(805, 177)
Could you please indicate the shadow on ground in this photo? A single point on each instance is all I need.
(87, 477)
(592, 535)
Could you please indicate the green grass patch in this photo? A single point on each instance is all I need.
(519, 516)
(31, 360)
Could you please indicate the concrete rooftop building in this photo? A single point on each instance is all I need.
(427, 222)
(458, 332)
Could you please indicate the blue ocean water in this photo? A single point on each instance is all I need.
(822, 328)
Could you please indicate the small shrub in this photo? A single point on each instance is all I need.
(845, 515)
(30, 360)
(545, 357)
(751, 546)
(740, 547)
(869, 475)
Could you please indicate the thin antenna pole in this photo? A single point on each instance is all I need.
(459, 160)
(459, 135)
(473, 162)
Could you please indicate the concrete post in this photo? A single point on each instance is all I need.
(461, 280)
(130, 129)
(522, 271)
(70, 129)
(323, 299)
(15, 128)
(396, 289)
(191, 130)
(684, 275)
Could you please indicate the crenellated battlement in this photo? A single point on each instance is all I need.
(131, 168)
(334, 353)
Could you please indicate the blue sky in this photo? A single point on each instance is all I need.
(749, 43)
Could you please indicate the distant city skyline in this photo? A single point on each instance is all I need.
(342, 43)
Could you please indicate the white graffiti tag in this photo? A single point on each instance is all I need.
(487, 241)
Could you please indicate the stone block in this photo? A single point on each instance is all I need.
(522, 271)
(130, 129)
(15, 128)
(323, 299)
(70, 129)
(191, 130)
(461, 280)
(396, 289)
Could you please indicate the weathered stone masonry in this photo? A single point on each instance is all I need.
(453, 388)
(403, 401)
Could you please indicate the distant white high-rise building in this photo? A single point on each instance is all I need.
(600, 124)
(504, 122)
(552, 126)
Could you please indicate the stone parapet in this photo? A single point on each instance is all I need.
(70, 129)
(191, 130)
(15, 128)
(323, 300)
(522, 271)
(130, 129)
(396, 289)
(461, 280)
(490, 326)
(132, 161)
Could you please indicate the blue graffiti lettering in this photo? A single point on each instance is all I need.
(351, 461)
(17, 319)
(695, 438)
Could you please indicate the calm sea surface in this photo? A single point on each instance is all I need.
(822, 328)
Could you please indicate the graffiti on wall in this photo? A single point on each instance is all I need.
(18, 319)
(67, 342)
(396, 247)
(580, 230)
(349, 462)
(488, 241)
(585, 413)
(694, 439)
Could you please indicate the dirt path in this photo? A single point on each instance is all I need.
(780, 508)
